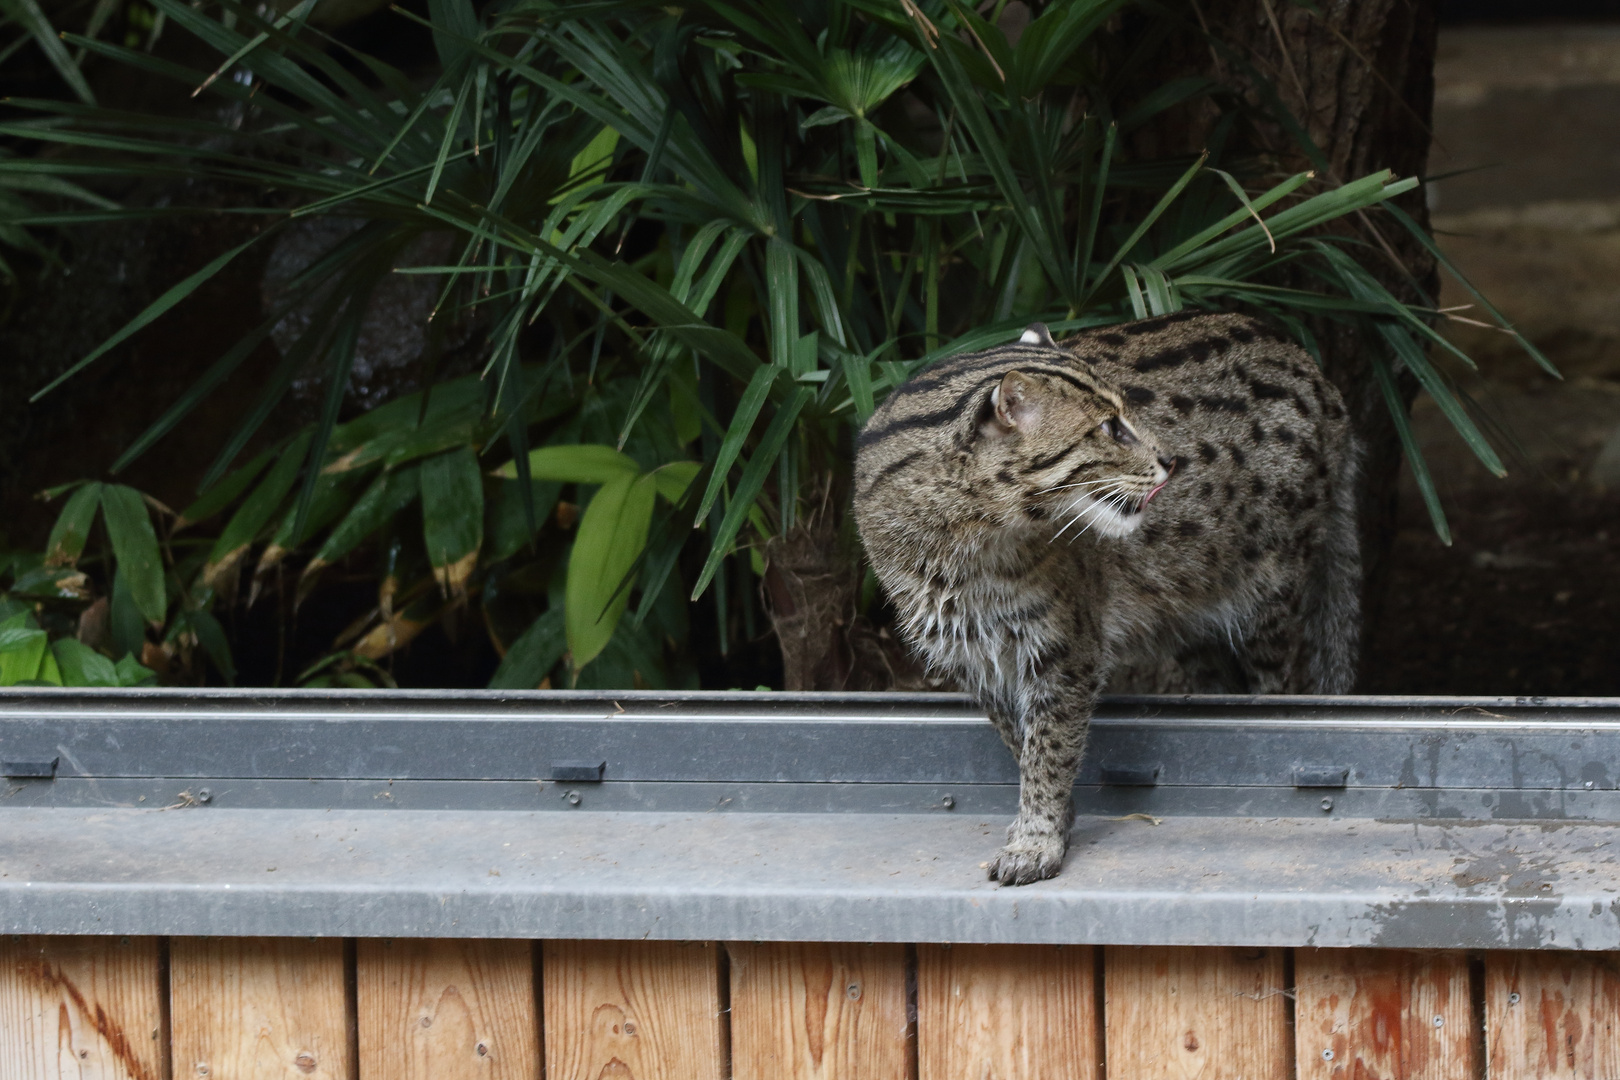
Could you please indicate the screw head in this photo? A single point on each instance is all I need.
(629, 1027)
(1590, 784)
(1513, 998)
(482, 1048)
(948, 801)
(1327, 1055)
(573, 798)
(202, 1068)
(1327, 804)
(853, 991)
(205, 795)
(1439, 1021)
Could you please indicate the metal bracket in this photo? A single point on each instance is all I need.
(578, 772)
(1321, 776)
(1131, 775)
(32, 769)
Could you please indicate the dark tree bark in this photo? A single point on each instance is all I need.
(1359, 77)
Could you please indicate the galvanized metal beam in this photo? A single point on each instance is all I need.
(1217, 821)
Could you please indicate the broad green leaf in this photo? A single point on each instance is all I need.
(81, 665)
(673, 479)
(583, 463)
(452, 516)
(135, 546)
(533, 654)
(72, 527)
(22, 651)
(132, 673)
(612, 533)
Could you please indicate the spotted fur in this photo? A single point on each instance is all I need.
(1050, 518)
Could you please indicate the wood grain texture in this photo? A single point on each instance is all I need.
(1006, 1012)
(1382, 1014)
(447, 1010)
(1552, 1015)
(90, 1008)
(258, 1009)
(818, 1011)
(1215, 1014)
(632, 1010)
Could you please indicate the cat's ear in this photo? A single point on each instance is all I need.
(1014, 400)
(1038, 334)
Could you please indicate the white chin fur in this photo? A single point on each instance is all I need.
(1099, 519)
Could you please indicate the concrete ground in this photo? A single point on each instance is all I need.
(1527, 599)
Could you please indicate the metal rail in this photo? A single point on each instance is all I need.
(1420, 823)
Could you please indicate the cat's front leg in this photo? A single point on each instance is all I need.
(1054, 731)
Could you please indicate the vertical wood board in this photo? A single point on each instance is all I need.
(1006, 1012)
(818, 1011)
(1182, 1012)
(90, 1008)
(1552, 1015)
(446, 1010)
(632, 1010)
(1382, 1014)
(259, 1009)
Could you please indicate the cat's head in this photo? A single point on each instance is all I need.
(1057, 444)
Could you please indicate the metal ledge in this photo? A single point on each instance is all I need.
(1461, 823)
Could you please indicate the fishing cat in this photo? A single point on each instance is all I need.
(1047, 514)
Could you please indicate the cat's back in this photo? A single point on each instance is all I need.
(1197, 372)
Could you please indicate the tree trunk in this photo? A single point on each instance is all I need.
(1359, 77)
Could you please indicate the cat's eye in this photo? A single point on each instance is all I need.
(1119, 431)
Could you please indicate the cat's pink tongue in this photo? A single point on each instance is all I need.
(1155, 491)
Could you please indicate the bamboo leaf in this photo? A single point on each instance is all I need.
(156, 308)
(255, 511)
(452, 516)
(533, 654)
(33, 19)
(742, 422)
(223, 493)
(72, 527)
(135, 546)
(749, 486)
(1414, 455)
(389, 494)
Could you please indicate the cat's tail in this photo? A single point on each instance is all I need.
(1333, 621)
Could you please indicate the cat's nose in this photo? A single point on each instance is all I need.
(1168, 464)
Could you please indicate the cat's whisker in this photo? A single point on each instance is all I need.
(1094, 506)
(1083, 483)
(1083, 505)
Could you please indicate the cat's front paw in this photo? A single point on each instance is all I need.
(1027, 859)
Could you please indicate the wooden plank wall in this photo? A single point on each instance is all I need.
(108, 1008)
